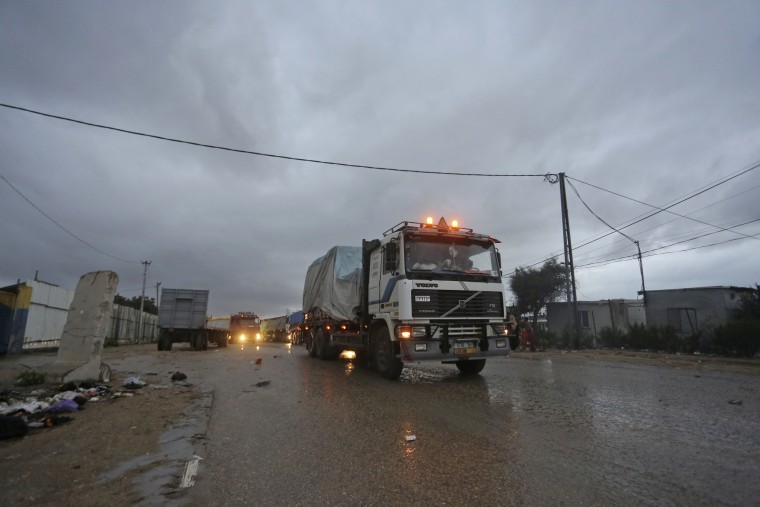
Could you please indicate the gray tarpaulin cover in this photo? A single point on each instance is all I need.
(332, 282)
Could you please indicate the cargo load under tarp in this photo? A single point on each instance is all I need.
(332, 282)
(295, 318)
(273, 324)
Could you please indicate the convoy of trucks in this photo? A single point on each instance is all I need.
(422, 292)
(182, 318)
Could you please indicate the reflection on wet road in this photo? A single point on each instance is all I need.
(525, 432)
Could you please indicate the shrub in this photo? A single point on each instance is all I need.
(30, 378)
(545, 339)
(739, 337)
(611, 338)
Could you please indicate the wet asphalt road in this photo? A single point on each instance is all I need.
(549, 431)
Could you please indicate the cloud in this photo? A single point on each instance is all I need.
(649, 100)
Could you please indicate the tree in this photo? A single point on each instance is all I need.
(134, 302)
(749, 307)
(533, 288)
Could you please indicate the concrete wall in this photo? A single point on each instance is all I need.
(48, 311)
(695, 310)
(619, 314)
(14, 312)
(124, 324)
(33, 314)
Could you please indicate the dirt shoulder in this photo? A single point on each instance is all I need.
(64, 464)
(704, 362)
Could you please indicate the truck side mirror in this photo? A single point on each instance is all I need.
(391, 256)
(498, 259)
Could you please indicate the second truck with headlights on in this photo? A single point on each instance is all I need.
(423, 292)
(245, 327)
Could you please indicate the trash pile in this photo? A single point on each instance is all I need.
(42, 408)
(23, 409)
(28, 406)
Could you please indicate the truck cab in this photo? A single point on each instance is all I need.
(434, 293)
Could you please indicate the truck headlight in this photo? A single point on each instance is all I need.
(409, 332)
(500, 329)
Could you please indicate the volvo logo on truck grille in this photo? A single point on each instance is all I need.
(427, 285)
(456, 303)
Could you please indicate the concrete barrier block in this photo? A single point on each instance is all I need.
(79, 355)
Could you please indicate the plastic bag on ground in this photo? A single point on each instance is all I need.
(133, 383)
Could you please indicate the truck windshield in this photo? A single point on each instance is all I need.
(447, 255)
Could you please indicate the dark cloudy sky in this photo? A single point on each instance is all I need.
(650, 100)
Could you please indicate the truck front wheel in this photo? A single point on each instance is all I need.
(387, 364)
(471, 367)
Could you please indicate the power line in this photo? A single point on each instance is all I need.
(631, 257)
(660, 210)
(64, 229)
(643, 217)
(548, 176)
(700, 234)
(597, 216)
(731, 224)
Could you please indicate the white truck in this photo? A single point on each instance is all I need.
(423, 292)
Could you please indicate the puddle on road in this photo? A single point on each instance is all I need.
(176, 448)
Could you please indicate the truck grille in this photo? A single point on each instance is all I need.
(460, 331)
(434, 304)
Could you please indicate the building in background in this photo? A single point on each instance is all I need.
(695, 310)
(593, 316)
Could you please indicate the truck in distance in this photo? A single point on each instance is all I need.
(296, 327)
(182, 318)
(245, 327)
(274, 329)
(422, 292)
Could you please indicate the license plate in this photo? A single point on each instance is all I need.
(464, 348)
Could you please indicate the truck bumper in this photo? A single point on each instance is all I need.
(451, 350)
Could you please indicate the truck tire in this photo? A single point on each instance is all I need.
(195, 341)
(323, 345)
(387, 364)
(311, 345)
(160, 342)
(471, 367)
(167, 341)
(221, 341)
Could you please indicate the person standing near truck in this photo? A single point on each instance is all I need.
(527, 337)
(514, 332)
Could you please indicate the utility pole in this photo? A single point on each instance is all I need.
(155, 329)
(569, 265)
(139, 335)
(641, 268)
